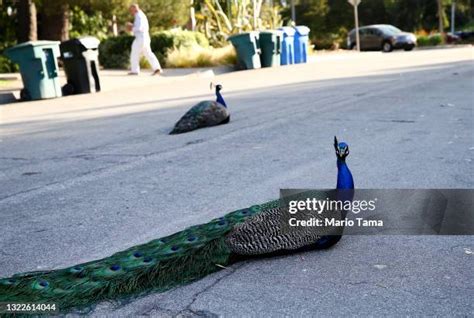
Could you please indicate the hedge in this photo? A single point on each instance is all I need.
(7, 66)
(429, 40)
(114, 52)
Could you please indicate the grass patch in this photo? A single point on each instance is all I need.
(197, 56)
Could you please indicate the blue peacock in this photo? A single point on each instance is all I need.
(176, 259)
(204, 114)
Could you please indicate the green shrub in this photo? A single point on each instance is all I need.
(330, 41)
(115, 51)
(83, 24)
(198, 56)
(163, 41)
(423, 40)
(429, 40)
(185, 38)
(436, 39)
(7, 66)
(7, 39)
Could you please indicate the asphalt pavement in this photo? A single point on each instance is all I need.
(83, 177)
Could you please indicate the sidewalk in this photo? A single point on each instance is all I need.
(11, 84)
(326, 64)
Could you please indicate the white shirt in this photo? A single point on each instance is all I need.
(140, 24)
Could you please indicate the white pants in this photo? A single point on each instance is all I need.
(141, 45)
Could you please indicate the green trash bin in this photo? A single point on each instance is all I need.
(246, 45)
(38, 68)
(270, 44)
(81, 65)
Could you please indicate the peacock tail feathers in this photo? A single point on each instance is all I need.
(158, 265)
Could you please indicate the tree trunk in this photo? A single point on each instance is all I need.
(440, 16)
(27, 27)
(55, 23)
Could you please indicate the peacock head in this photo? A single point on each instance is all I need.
(217, 86)
(219, 98)
(342, 149)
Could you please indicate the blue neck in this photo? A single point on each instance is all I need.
(220, 99)
(344, 182)
(344, 175)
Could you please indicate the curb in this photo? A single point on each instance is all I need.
(444, 46)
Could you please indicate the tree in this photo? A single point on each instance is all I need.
(313, 14)
(54, 17)
(55, 14)
(163, 14)
(27, 24)
(440, 16)
(464, 12)
(7, 25)
(340, 15)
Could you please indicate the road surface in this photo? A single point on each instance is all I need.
(83, 177)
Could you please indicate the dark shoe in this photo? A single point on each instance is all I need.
(156, 72)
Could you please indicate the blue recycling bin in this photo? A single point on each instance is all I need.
(301, 43)
(287, 46)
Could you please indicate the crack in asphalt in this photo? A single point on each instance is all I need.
(14, 158)
(149, 311)
(196, 295)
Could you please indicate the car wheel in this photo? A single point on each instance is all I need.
(352, 46)
(409, 48)
(387, 47)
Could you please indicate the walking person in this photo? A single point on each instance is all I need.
(141, 44)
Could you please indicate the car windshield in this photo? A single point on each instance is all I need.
(390, 29)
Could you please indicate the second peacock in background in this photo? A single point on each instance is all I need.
(205, 114)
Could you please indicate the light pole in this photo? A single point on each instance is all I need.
(293, 12)
(453, 13)
(355, 4)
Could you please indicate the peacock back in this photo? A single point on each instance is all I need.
(203, 114)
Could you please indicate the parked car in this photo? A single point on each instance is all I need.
(465, 35)
(383, 37)
(452, 38)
